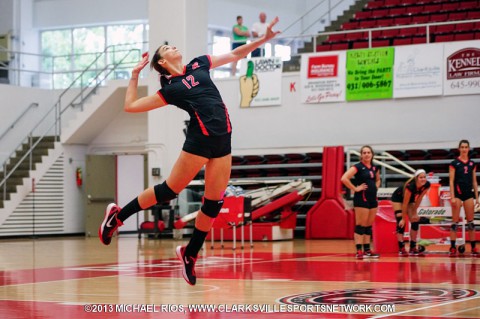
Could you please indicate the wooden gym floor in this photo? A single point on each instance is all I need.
(76, 277)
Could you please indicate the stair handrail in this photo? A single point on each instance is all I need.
(57, 108)
(302, 16)
(321, 17)
(11, 126)
(314, 22)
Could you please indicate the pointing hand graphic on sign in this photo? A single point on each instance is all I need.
(249, 86)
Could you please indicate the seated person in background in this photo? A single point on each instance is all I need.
(405, 200)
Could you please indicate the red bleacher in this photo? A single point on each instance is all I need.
(391, 13)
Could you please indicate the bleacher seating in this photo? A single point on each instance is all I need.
(392, 13)
(289, 166)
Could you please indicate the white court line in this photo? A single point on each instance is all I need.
(463, 310)
(423, 308)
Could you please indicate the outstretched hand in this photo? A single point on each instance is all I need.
(141, 64)
(270, 34)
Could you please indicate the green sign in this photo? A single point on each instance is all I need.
(370, 74)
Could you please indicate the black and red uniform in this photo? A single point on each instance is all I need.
(368, 175)
(209, 130)
(399, 193)
(463, 180)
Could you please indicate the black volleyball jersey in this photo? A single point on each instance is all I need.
(195, 92)
(463, 173)
(366, 175)
(399, 193)
(414, 190)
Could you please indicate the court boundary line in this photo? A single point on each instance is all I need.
(427, 307)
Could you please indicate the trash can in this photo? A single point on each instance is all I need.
(384, 230)
(433, 193)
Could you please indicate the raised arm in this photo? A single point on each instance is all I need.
(133, 104)
(244, 50)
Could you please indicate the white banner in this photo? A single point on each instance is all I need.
(462, 74)
(322, 77)
(261, 82)
(434, 212)
(418, 70)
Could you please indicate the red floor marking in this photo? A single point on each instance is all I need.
(263, 266)
(349, 271)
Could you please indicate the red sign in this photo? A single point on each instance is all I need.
(323, 66)
(464, 64)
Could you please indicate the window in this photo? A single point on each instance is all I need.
(70, 51)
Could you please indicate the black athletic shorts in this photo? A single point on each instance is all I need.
(463, 193)
(361, 199)
(208, 146)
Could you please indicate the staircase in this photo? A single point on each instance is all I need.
(40, 154)
(23, 170)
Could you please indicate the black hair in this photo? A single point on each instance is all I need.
(462, 142)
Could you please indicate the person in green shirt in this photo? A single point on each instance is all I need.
(240, 36)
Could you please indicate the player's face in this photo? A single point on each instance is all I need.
(421, 179)
(366, 154)
(464, 149)
(169, 53)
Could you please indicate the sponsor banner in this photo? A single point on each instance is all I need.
(322, 77)
(418, 70)
(462, 73)
(261, 82)
(370, 74)
(434, 212)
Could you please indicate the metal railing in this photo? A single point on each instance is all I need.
(11, 126)
(371, 32)
(53, 72)
(86, 89)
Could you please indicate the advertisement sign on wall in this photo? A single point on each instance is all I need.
(418, 70)
(462, 63)
(261, 82)
(323, 77)
(370, 74)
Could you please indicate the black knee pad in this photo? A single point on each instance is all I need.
(360, 230)
(163, 193)
(211, 208)
(368, 230)
(471, 225)
(400, 230)
(415, 225)
(454, 227)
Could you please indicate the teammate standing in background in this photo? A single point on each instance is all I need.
(367, 181)
(208, 140)
(405, 200)
(463, 188)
